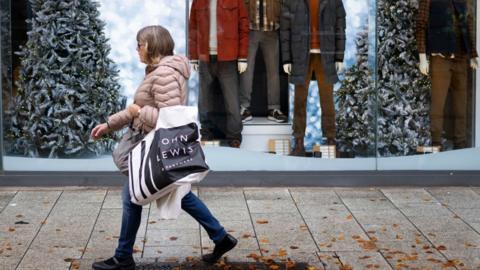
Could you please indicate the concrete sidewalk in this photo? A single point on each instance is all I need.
(326, 228)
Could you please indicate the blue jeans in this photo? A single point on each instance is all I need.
(132, 215)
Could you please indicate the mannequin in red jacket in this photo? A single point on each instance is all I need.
(218, 48)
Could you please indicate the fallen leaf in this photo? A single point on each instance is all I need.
(19, 216)
(367, 244)
(442, 247)
(394, 225)
(264, 241)
(11, 229)
(282, 253)
(399, 237)
(247, 235)
(470, 245)
(173, 238)
(349, 217)
(68, 259)
(303, 227)
(152, 222)
(341, 237)
(253, 256)
(356, 237)
(293, 247)
(364, 257)
(262, 221)
(346, 267)
(274, 267)
(136, 249)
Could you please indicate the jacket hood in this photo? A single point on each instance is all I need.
(177, 62)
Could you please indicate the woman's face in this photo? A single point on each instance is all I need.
(142, 51)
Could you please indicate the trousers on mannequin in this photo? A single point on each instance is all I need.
(326, 101)
(449, 73)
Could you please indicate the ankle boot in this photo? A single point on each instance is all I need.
(115, 263)
(222, 247)
(299, 149)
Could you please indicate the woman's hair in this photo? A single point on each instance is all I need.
(158, 42)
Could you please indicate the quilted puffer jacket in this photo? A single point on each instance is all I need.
(165, 86)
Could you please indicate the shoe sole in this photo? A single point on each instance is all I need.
(276, 120)
(250, 118)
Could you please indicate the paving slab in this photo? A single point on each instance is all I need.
(184, 221)
(113, 199)
(319, 197)
(271, 194)
(103, 248)
(456, 197)
(271, 206)
(172, 237)
(413, 255)
(402, 197)
(363, 260)
(468, 215)
(392, 232)
(330, 212)
(380, 217)
(329, 261)
(109, 223)
(5, 198)
(368, 203)
(173, 253)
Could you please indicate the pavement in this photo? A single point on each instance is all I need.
(278, 228)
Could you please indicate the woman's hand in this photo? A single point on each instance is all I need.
(134, 110)
(99, 131)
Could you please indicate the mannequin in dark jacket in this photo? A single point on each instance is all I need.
(312, 39)
(446, 34)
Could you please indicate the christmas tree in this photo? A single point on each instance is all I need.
(67, 83)
(356, 105)
(403, 92)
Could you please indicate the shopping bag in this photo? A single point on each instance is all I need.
(169, 156)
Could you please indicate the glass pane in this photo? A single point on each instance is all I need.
(426, 88)
(60, 80)
(347, 124)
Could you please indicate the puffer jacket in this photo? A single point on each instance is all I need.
(165, 86)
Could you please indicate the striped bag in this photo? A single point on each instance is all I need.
(168, 157)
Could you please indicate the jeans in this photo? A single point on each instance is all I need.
(132, 215)
(268, 43)
(227, 74)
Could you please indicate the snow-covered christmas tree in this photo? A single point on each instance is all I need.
(67, 83)
(403, 92)
(356, 105)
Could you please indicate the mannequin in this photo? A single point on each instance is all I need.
(264, 18)
(218, 48)
(445, 34)
(324, 27)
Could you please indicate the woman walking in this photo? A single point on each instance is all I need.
(164, 84)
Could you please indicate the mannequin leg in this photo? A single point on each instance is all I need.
(300, 105)
(205, 98)
(326, 101)
(270, 50)
(246, 78)
(441, 74)
(227, 74)
(459, 99)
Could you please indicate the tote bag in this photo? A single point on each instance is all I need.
(168, 157)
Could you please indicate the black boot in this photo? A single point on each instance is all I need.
(226, 244)
(115, 264)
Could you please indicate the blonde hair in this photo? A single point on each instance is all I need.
(158, 42)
